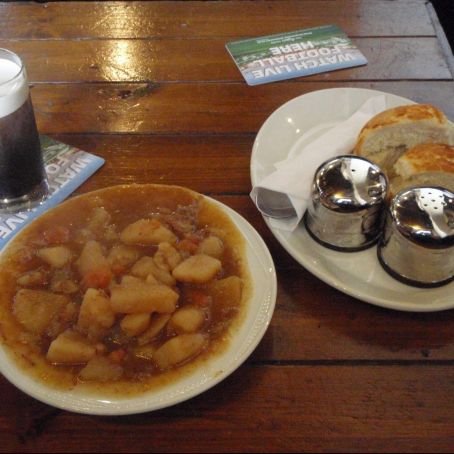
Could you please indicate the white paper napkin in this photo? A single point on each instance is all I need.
(294, 175)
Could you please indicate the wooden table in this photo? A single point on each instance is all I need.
(150, 87)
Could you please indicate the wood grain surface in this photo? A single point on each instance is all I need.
(150, 87)
(202, 108)
(104, 61)
(295, 408)
(155, 19)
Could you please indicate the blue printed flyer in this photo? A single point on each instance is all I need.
(294, 54)
(67, 168)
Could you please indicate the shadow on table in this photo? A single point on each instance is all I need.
(445, 13)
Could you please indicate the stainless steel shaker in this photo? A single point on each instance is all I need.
(345, 210)
(417, 246)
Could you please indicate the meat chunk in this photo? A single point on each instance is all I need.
(95, 315)
(147, 232)
(197, 269)
(36, 309)
(183, 220)
(70, 348)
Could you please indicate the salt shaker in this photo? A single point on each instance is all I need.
(417, 246)
(345, 210)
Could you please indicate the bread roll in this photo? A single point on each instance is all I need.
(392, 132)
(429, 164)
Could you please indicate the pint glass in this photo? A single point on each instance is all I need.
(23, 182)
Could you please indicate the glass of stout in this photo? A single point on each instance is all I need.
(23, 181)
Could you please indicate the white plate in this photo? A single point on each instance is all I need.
(258, 315)
(358, 274)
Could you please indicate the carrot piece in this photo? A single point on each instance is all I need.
(117, 356)
(199, 298)
(188, 246)
(118, 269)
(99, 278)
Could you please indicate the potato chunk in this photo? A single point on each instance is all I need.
(99, 220)
(33, 278)
(197, 269)
(151, 279)
(147, 265)
(130, 280)
(93, 266)
(167, 257)
(63, 285)
(226, 295)
(95, 315)
(212, 246)
(147, 232)
(55, 256)
(91, 258)
(36, 309)
(70, 348)
(122, 257)
(63, 281)
(157, 323)
(178, 349)
(99, 368)
(187, 319)
(135, 324)
(143, 297)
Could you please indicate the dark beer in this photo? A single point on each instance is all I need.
(22, 174)
(21, 163)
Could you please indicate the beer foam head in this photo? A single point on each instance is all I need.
(13, 83)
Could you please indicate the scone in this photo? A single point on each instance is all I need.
(429, 164)
(392, 132)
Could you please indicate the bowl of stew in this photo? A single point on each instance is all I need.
(132, 298)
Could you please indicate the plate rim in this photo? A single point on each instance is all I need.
(310, 266)
(88, 403)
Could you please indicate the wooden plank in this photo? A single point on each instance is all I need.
(191, 19)
(191, 108)
(313, 322)
(135, 60)
(192, 161)
(261, 409)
